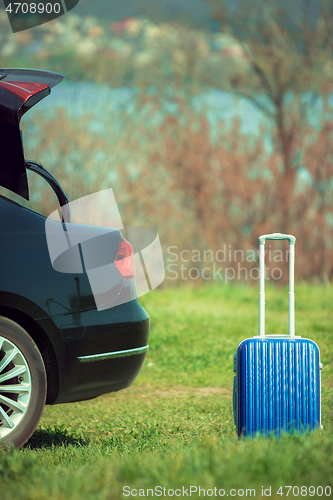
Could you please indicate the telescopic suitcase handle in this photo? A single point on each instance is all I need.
(262, 240)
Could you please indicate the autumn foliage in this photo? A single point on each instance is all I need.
(237, 190)
(203, 186)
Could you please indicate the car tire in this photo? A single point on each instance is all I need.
(22, 384)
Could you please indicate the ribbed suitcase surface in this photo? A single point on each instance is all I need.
(277, 385)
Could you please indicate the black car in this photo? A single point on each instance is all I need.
(59, 342)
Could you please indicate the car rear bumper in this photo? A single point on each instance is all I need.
(105, 351)
(102, 376)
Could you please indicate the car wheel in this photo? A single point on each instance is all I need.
(22, 384)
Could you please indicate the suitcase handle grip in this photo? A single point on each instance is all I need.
(292, 240)
(277, 236)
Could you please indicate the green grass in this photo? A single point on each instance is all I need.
(174, 427)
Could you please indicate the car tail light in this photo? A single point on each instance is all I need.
(23, 90)
(124, 261)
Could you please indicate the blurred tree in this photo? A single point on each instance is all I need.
(232, 188)
(289, 48)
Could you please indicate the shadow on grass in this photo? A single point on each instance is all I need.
(53, 437)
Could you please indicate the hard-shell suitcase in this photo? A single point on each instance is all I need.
(277, 383)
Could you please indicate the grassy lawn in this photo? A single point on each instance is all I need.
(174, 427)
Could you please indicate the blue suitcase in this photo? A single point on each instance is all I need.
(277, 383)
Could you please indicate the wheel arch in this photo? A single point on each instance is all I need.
(49, 343)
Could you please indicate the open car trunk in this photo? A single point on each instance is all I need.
(20, 89)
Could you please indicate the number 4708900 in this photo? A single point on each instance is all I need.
(304, 491)
(33, 8)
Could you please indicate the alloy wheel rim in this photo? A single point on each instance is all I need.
(15, 387)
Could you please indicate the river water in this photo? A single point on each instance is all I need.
(105, 104)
